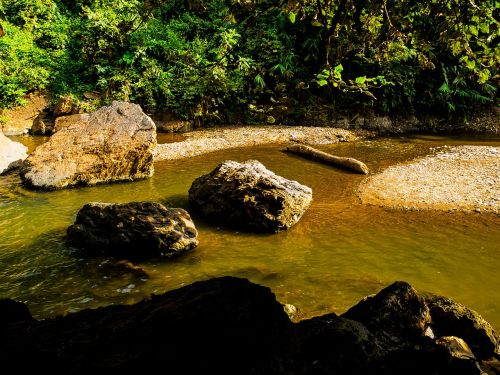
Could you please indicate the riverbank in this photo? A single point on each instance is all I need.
(203, 141)
(463, 178)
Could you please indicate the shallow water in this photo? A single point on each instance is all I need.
(339, 252)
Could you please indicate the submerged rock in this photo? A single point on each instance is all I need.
(12, 154)
(249, 196)
(450, 318)
(116, 143)
(135, 230)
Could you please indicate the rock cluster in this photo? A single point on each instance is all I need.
(231, 326)
(115, 143)
(135, 230)
(249, 196)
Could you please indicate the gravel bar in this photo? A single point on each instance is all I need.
(462, 178)
(203, 141)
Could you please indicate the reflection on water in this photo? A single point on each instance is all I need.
(339, 252)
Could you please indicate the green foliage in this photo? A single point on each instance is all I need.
(228, 60)
(399, 44)
(23, 65)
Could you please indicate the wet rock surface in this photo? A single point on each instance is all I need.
(116, 143)
(231, 326)
(249, 196)
(136, 230)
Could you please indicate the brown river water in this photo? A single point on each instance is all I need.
(338, 253)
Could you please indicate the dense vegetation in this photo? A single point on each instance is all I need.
(251, 60)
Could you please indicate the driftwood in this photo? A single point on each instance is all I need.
(312, 153)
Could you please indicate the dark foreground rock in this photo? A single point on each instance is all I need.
(331, 344)
(231, 326)
(450, 318)
(135, 230)
(219, 326)
(114, 143)
(12, 154)
(13, 312)
(397, 312)
(249, 196)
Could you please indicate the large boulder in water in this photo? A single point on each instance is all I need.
(136, 230)
(115, 143)
(249, 196)
(11, 153)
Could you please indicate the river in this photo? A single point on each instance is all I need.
(338, 253)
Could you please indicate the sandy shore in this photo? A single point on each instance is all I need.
(203, 141)
(464, 178)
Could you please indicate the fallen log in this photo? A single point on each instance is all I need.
(312, 153)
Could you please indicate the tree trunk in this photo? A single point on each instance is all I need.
(312, 153)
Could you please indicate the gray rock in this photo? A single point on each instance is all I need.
(11, 154)
(135, 230)
(115, 144)
(397, 315)
(450, 318)
(249, 196)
